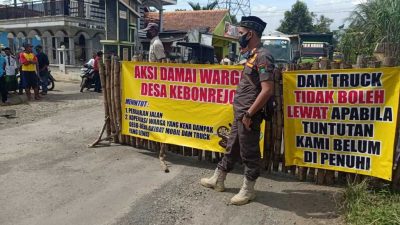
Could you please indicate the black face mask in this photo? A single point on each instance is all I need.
(149, 35)
(243, 42)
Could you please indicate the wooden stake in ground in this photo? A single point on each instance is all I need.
(117, 98)
(108, 94)
(162, 155)
(102, 72)
(99, 138)
(277, 121)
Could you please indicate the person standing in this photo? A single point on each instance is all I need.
(254, 90)
(3, 86)
(29, 76)
(96, 74)
(11, 69)
(43, 64)
(21, 81)
(156, 51)
(156, 54)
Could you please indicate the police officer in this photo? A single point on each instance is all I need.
(253, 92)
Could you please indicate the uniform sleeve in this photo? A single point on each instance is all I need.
(265, 66)
(159, 50)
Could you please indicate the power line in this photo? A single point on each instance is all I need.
(236, 7)
(282, 12)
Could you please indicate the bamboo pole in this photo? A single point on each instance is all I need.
(268, 152)
(208, 156)
(217, 157)
(311, 174)
(117, 98)
(390, 62)
(200, 156)
(102, 72)
(108, 93)
(302, 174)
(278, 121)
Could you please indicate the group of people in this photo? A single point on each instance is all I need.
(33, 69)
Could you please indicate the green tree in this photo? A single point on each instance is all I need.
(209, 6)
(371, 23)
(298, 19)
(322, 24)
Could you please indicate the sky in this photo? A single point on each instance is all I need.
(272, 11)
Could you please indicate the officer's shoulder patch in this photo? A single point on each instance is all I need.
(261, 68)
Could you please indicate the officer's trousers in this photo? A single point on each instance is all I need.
(243, 144)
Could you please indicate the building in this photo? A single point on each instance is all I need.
(122, 21)
(208, 27)
(76, 25)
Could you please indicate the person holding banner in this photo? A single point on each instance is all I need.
(253, 92)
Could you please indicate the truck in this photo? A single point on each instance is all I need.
(313, 46)
(302, 47)
(279, 47)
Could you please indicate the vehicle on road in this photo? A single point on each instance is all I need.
(87, 73)
(279, 48)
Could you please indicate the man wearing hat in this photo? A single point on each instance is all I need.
(156, 52)
(43, 64)
(28, 71)
(252, 93)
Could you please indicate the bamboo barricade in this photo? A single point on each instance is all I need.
(110, 75)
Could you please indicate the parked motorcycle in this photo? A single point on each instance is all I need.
(50, 82)
(87, 73)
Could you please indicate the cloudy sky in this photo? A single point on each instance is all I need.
(272, 11)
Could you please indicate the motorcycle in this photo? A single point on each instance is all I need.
(87, 73)
(50, 82)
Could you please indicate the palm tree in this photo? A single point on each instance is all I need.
(209, 6)
(376, 21)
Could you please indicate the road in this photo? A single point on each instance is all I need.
(49, 176)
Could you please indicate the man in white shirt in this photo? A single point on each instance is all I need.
(156, 53)
(10, 69)
(91, 61)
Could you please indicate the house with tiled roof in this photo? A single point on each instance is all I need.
(208, 22)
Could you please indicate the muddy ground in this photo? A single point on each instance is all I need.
(49, 176)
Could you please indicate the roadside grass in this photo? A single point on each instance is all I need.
(363, 206)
